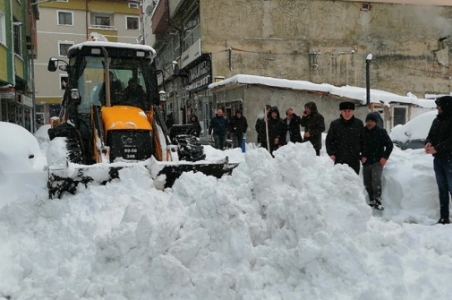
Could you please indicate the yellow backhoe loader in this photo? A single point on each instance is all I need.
(111, 118)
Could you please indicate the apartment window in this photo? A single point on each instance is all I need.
(17, 39)
(63, 82)
(63, 48)
(65, 18)
(102, 20)
(133, 5)
(132, 23)
(2, 28)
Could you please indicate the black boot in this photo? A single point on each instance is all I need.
(443, 221)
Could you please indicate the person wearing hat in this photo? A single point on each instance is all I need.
(344, 138)
(377, 146)
(260, 125)
(237, 127)
(439, 144)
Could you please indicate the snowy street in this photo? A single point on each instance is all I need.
(290, 227)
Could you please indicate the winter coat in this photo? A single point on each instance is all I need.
(440, 134)
(376, 145)
(344, 140)
(313, 123)
(293, 128)
(218, 125)
(238, 126)
(260, 129)
(275, 131)
(196, 131)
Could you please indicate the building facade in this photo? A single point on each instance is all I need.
(17, 32)
(201, 41)
(67, 22)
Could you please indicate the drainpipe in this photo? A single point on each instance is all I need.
(368, 60)
(13, 67)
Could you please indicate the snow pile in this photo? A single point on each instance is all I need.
(292, 227)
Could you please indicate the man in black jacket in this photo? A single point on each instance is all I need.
(314, 125)
(377, 146)
(291, 127)
(275, 130)
(237, 127)
(344, 138)
(439, 144)
(260, 126)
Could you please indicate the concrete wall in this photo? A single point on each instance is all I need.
(328, 41)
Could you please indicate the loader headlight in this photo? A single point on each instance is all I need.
(75, 94)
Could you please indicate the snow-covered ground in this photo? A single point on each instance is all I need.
(290, 227)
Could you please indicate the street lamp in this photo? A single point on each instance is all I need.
(368, 60)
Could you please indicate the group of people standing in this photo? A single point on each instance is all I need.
(274, 132)
(220, 126)
(348, 140)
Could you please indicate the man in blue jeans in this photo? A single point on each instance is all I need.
(439, 144)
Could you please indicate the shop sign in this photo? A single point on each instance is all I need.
(200, 75)
(7, 93)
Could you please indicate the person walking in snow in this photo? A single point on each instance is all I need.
(377, 146)
(314, 124)
(218, 126)
(237, 127)
(291, 127)
(439, 144)
(344, 137)
(261, 127)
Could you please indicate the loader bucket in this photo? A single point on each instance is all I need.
(166, 173)
(67, 178)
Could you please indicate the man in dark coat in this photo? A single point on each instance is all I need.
(275, 130)
(377, 146)
(260, 126)
(439, 144)
(218, 126)
(291, 127)
(344, 137)
(237, 127)
(314, 125)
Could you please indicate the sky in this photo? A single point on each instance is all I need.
(290, 227)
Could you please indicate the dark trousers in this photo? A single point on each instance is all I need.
(220, 141)
(443, 172)
(236, 140)
(372, 179)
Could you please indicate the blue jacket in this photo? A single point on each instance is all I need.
(219, 125)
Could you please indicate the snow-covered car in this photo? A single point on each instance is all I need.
(412, 134)
(19, 149)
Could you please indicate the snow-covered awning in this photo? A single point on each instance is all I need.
(350, 92)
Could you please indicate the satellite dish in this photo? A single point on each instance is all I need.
(149, 9)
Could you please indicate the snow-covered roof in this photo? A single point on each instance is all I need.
(350, 92)
(114, 45)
